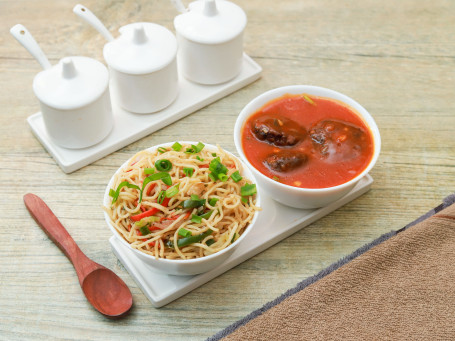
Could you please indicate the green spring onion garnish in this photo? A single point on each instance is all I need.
(162, 150)
(196, 219)
(190, 240)
(210, 242)
(184, 233)
(236, 176)
(212, 201)
(144, 230)
(207, 214)
(161, 197)
(149, 171)
(115, 194)
(163, 165)
(177, 146)
(195, 148)
(194, 202)
(171, 191)
(218, 170)
(199, 158)
(188, 171)
(247, 190)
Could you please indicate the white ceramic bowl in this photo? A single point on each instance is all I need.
(304, 197)
(190, 266)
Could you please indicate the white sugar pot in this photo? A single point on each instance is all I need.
(142, 63)
(73, 95)
(210, 38)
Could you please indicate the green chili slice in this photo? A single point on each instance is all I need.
(163, 165)
(115, 194)
(177, 146)
(248, 189)
(188, 171)
(190, 240)
(236, 176)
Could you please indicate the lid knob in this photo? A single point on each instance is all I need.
(68, 69)
(210, 8)
(139, 36)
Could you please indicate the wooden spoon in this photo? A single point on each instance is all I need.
(103, 288)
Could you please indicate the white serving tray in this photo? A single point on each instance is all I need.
(275, 223)
(130, 127)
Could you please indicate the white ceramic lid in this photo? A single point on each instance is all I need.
(141, 48)
(211, 21)
(72, 83)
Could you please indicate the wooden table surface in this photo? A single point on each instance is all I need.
(397, 58)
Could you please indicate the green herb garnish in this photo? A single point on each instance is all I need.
(177, 146)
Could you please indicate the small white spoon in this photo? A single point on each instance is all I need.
(24, 37)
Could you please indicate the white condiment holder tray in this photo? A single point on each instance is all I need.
(275, 223)
(130, 127)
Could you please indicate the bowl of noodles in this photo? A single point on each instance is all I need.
(182, 207)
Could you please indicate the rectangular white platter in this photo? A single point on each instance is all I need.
(130, 127)
(276, 222)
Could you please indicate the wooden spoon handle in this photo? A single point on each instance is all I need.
(50, 224)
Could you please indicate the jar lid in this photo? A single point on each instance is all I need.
(211, 22)
(141, 48)
(72, 83)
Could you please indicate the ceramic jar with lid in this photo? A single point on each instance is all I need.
(143, 67)
(75, 102)
(210, 38)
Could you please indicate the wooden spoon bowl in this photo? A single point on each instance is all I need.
(103, 288)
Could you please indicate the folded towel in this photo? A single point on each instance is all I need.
(399, 287)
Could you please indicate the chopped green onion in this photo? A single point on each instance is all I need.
(214, 154)
(177, 146)
(190, 240)
(171, 191)
(190, 203)
(248, 189)
(184, 232)
(245, 200)
(115, 194)
(163, 176)
(196, 219)
(275, 178)
(194, 197)
(188, 171)
(149, 171)
(211, 176)
(144, 230)
(162, 150)
(233, 238)
(146, 221)
(223, 177)
(236, 176)
(217, 167)
(212, 201)
(199, 158)
(161, 197)
(163, 165)
(195, 148)
(210, 242)
(206, 215)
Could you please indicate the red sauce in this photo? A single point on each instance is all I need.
(311, 142)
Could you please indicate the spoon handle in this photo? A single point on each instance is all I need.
(87, 15)
(24, 37)
(54, 229)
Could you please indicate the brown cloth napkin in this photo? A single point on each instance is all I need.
(399, 287)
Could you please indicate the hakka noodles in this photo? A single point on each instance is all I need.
(307, 141)
(181, 202)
